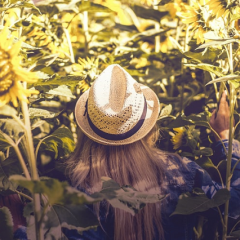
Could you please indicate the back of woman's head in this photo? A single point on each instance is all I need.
(137, 164)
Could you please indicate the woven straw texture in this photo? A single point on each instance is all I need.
(115, 104)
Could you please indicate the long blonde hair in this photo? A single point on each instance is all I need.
(138, 164)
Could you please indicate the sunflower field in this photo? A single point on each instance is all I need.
(51, 51)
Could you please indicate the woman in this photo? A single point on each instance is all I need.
(117, 119)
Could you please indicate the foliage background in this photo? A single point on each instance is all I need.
(68, 43)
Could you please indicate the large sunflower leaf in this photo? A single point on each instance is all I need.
(54, 81)
(61, 142)
(40, 113)
(217, 42)
(7, 111)
(207, 164)
(56, 191)
(125, 198)
(61, 90)
(10, 132)
(208, 67)
(209, 55)
(230, 77)
(10, 166)
(77, 217)
(197, 201)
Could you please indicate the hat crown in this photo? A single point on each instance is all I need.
(115, 102)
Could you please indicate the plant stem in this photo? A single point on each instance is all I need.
(157, 27)
(199, 227)
(31, 156)
(69, 45)
(33, 166)
(23, 195)
(22, 162)
(182, 99)
(85, 29)
(229, 156)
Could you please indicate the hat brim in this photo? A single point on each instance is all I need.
(153, 108)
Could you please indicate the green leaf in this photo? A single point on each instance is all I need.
(166, 111)
(204, 152)
(199, 120)
(51, 10)
(77, 217)
(192, 137)
(224, 79)
(40, 113)
(6, 224)
(92, 7)
(208, 67)
(61, 142)
(48, 60)
(56, 191)
(30, 5)
(145, 35)
(236, 234)
(47, 84)
(125, 198)
(9, 128)
(209, 55)
(10, 166)
(217, 42)
(179, 122)
(197, 201)
(6, 185)
(149, 13)
(52, 188)
(28, 46)
(61, 90)
(207, 164)
(6, 110)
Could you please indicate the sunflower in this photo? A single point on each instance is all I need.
(177, 139)
(218, 7)
(42, 36)
(197, 17)
(88, 69)
(72, 23)
(11, 72)
(83, 86)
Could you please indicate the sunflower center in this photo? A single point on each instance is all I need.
(6, 75)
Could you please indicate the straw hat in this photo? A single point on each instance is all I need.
(117, 110)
